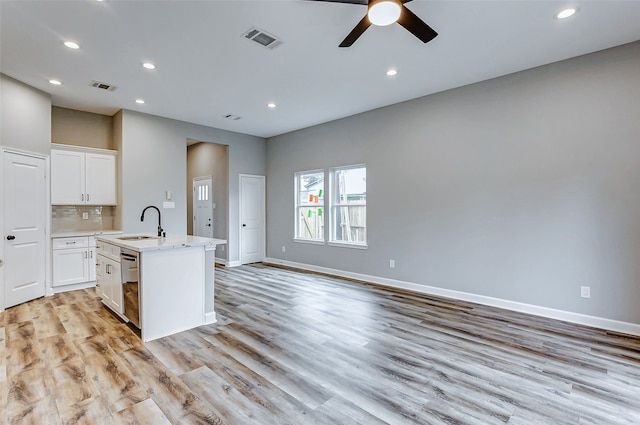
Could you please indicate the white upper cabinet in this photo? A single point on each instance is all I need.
(83, 177)
(100, 179)
(67, 177)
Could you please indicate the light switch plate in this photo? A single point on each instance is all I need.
(85, 215)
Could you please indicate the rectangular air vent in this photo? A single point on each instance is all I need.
(262, 38)
(103, 86)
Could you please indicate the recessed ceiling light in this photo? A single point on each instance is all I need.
(55, 82)
(140, 101)
(148, 65)
(392, 72)
(271, 105)
(566, 13)
(72, 45)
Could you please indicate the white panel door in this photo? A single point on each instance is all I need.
(252, 219)
(25, 212)
(203, 207)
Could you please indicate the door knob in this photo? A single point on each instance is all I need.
(10, 237)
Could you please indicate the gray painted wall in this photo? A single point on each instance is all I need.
(25, 117)
(79, 128)
(210, 159)
(153, 154)
(521, 188)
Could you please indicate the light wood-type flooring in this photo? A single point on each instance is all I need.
(299, 348)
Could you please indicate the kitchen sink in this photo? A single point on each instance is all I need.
(137, 238)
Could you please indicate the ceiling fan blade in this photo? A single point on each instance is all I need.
(416, 26)
(356, 32)
(363, 2)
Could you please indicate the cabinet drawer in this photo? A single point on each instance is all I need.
(108, 250)
(66, 243)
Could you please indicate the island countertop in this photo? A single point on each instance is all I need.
(151, 242)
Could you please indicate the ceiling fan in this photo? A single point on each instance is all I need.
(386, 12)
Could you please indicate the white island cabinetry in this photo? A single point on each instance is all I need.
(108, 276)
(175, 281)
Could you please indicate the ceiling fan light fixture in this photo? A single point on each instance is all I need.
(72, 45)
(384, 12)
(566, 13)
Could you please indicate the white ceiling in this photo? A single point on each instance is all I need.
(206, 69)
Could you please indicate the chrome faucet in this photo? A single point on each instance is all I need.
(160, 230)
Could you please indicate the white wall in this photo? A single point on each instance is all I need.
(25, 124)
(25, 117)
(153, 154)
(522, 188)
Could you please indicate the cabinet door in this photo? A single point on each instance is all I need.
(100, 172)
(110, 283)
(67, 177)
(115, 281)
(92, 264)
(70, 266)
(100, 280)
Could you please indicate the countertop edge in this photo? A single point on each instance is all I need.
(81, 233)
(170, 242)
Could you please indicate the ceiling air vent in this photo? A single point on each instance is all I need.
(262, 38)
(103, 86)
(232, 117)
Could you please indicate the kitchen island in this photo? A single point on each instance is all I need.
(168, 281)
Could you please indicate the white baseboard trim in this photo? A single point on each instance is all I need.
(210, 318)
(233, 263)
(567, 316)
(67, 288)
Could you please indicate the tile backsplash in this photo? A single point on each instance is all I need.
(68, 218)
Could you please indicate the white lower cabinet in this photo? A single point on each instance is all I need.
(73, 260)
(109, 277)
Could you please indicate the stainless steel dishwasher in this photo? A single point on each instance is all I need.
(129, 262)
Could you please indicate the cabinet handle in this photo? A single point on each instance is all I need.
(87, 197)
(82, 197)
(85, 254)
(90, 254)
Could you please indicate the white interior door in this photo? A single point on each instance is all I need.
(252, 219)
(25, 212)
(203, 207)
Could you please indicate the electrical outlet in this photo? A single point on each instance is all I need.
(284, 248)
(392, 264)
(585, 291)
(85, 215)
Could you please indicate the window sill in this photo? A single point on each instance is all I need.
(349, 245)
(309, 241)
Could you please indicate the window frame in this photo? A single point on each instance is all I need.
(298, 206)
(335, 205)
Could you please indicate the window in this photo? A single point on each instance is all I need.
(310, 205)
(349, 205)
